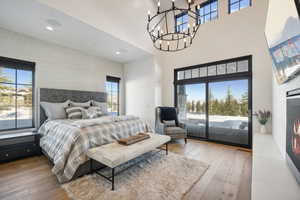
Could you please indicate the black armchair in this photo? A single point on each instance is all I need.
(166, 122)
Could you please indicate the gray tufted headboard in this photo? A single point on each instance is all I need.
(58, 96)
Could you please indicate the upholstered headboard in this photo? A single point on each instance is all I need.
(58, 96)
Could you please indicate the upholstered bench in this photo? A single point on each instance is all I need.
(114, 154)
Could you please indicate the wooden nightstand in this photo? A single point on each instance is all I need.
(19, 145)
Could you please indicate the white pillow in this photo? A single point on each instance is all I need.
(81, 104)
(91, 113)
(101, 105)
(55, 110)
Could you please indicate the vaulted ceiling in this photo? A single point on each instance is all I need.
(124, 19)
(106, 27)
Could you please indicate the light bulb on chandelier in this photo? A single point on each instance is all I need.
(165, 30)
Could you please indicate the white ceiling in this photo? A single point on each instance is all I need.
(30, 18)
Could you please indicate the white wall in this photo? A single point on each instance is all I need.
(282, 24)
(142, 88)
(232, 35)
(124, 19)
(59, 67)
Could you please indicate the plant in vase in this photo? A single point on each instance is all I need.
(263, 117)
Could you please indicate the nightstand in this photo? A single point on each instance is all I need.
(19, 145)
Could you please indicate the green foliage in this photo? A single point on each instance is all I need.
(230, 106)
(3, 79)
(263, 116)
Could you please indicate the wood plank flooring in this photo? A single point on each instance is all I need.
(228, 177)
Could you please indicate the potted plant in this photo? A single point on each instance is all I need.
(263, 117)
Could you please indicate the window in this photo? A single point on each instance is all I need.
(238, 65)
(236, 5)
(208, 11)
(181, 22)
(113, 89)
(210, 95)
(16, 94)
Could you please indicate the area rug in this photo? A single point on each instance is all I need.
(156, 176)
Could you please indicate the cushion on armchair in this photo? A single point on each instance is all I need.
(169, 123)
(168, 114)
(175, 131)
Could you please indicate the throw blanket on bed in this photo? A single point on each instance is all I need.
(66, 141)
(106, 119)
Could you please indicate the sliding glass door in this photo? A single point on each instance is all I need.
(214, 100)
(228, 111)
(191, 100)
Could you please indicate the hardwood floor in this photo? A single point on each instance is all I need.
(228, 177)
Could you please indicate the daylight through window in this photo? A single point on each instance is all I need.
(236, 5)
(208, 11)
(113, 90)
(16, 94)
(181, 22)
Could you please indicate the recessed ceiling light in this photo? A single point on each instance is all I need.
(53, 23)
(118, 52)
(49, 28)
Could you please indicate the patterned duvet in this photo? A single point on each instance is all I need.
(66, 141)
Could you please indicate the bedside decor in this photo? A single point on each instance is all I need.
(263, 116)
(14, 146)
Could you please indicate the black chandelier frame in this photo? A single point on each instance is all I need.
(163, 37)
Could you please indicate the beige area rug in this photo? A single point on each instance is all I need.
(157, 176)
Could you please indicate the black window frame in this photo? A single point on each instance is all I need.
(225, 77)
(117, 80)
(237, 2)
(180, 15)
(25, 65)
(202, 5)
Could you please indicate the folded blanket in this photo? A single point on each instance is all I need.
(82, 123)
(124, 118)
(91, 122)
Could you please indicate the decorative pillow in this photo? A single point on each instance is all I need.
(55, 110)
(169, 123)
(81, 104)
(74, 112)
(101, 105)
(91, 112)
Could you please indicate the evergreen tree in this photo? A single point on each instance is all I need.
(189, 106)
(193, 106)
(244, 104)
(3, 79)
(198, 106)
(229, 103)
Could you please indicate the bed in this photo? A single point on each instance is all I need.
(65, 142)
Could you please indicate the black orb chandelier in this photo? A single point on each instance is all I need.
(173, 29)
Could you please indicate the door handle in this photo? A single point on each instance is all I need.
(250, 113)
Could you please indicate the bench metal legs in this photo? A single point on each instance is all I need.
(113, 179)
(167, 148)
(113, 174)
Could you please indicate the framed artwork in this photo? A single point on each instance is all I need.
(286, 59)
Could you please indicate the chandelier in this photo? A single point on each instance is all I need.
(173, 29)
